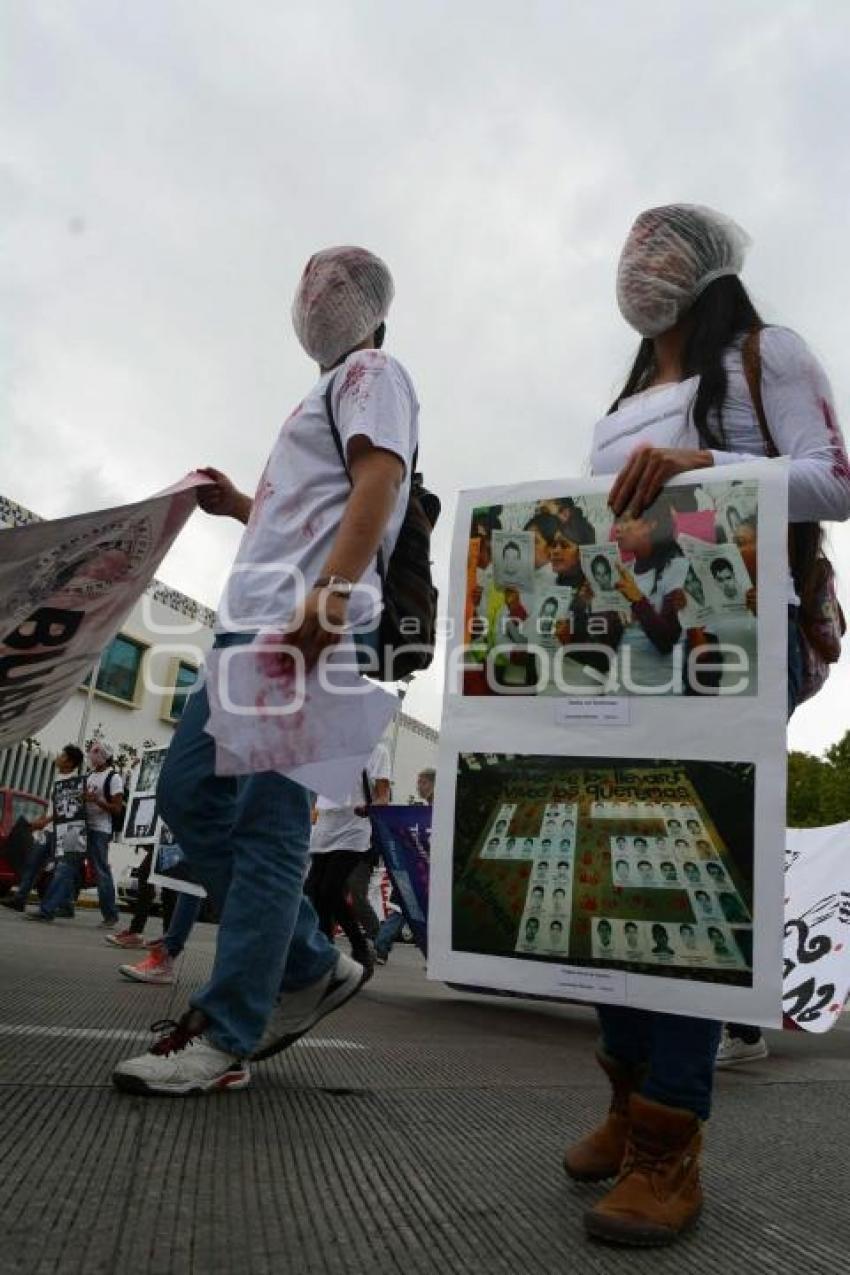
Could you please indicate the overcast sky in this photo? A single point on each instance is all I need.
(172, 165)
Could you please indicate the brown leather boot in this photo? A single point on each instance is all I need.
(600, 1154)
(657, 1196)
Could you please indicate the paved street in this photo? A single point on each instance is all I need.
(419, 1130)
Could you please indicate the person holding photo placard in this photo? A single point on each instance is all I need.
(692, 401)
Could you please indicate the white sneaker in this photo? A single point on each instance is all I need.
(732, 1050)
(157, 967)
(296, 1012)
(181, 1062)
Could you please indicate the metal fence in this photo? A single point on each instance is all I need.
(28, 769)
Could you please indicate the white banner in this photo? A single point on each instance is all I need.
(817, 926)
(611, 787)
(66, 587)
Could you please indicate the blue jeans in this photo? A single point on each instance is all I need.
(678, 1051)
(388, 931)
(62, 888)
(183, 918)
(36, 861)
(246, 840)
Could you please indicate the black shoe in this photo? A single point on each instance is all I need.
(39, 916)
(14, 905)
(364, 954)
(68, 913)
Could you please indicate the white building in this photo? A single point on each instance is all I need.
(142, 678)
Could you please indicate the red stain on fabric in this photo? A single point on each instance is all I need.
(354, 378)
(841, 465)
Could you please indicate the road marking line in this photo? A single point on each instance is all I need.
(118, 1033)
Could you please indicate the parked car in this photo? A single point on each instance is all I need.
(17, 810)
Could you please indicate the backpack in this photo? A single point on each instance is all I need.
(822, 623)
(408, 623)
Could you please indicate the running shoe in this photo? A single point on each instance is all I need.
(124, 938)
(733, 1051)
(157, 967)
(296, 1012)
(182, 1062)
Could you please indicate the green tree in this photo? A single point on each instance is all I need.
(819, 787)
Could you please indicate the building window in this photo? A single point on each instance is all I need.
(119, 670)
(185, 676)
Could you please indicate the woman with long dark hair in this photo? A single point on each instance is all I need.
(687, 405)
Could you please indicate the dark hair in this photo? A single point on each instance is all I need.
(546, 524)
(578, 529)
(74, 754)
(511, 544)
(379, 335)
(721, 564)
(720, 314)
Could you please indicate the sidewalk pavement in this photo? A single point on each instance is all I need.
(418, 1130)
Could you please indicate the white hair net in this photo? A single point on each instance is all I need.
(343, 296)
(670, 256)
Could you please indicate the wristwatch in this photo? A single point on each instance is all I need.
(335, 584)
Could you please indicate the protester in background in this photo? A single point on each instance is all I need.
(158, 965)
(393, 923)
(104, 803)
(340, 842)
(275, 973)
(68, 763)
(144, 901)
(687, 406)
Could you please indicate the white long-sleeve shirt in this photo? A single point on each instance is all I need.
(800, 413)
(801, 417)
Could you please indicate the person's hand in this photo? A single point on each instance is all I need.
(362, 811)
(645, 473)
(477, 595)
(678, 599)
(752, 601)
(627, 585)
(323, 621)
(223, 498)
(93, 800)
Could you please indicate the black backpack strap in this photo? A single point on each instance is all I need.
(367, 788)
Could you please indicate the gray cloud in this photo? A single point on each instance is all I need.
(172, 167)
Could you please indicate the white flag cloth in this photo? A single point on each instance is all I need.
(816, 981)
(319, 731)
(66, 587)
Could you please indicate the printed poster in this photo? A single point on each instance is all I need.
(611, 784)
(404, 835)
(69, 816)
(141, 821)
(66, 587)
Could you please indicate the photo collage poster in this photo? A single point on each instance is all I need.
(141, 821)
(551, 583)
(69, 816)
(144, 825)
(611, 780)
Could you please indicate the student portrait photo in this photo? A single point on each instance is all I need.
(688, 935)
(631, 934)
(724, 577)
(703, 902)
(691, 872)
(622, 871)
(661, 941)
(668, 871)
(532, 929)
(604, 935)
(715, 872)
(646, 872)
(537, 896)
